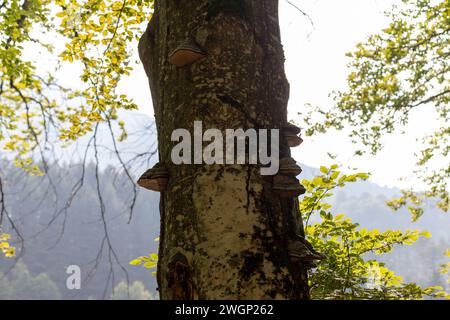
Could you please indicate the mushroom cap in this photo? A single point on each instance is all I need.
(289, 190)
(287, 161)
(154, 173)
(291, 128)
(293, 140)
(154, 179)
(288, 166)
(319, 256)
(185, 54)
(291, 170)
(299, 250)
(153, 184)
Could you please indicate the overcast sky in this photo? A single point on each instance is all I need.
(315, 66)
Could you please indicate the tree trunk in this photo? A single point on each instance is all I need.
(224, 232)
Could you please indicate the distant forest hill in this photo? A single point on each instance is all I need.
(55, 239)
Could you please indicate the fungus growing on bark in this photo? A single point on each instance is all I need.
(289, 167)
(185, 54)
(287, 187)
(303, 252)
(154, 179)
(292, 128)
(291, 135)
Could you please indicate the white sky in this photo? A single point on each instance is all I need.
(315, 66)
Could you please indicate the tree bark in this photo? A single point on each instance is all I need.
(224, 232)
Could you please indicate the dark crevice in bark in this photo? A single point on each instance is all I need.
(227, 99)
(179, 278)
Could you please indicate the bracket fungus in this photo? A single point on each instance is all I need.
(185, 54)
(303, 252)
(320, 256)
(292, 128)
(289, 167)
(285, 183)
(291, 135)
(154, 179)
(287, 187)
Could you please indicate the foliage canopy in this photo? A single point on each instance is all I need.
(34, 107)
(5, 247)
(348, 272)
(403, 69)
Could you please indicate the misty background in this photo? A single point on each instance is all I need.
(56, 238)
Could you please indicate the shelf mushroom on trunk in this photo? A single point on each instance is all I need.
(301, 251)
(289, 167)
(285, 183)
(185, 54)
(154, 179)
(287, 187)
(291, 135)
